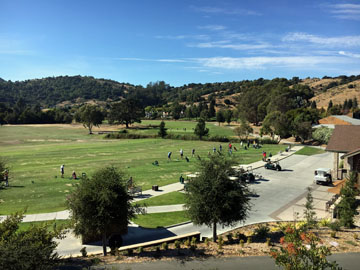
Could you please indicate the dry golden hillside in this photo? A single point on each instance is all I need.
(337, 94)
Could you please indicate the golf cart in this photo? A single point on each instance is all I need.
(323, 176)
(246, 175)
(272, 165)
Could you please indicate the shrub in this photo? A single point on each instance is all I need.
(242, 243)
(229, 237)
(333, 234)
(262, 231)
(335, 226)
(356, 236)
(140, 250)
(177, 244)
(83, 252)
(325, 222)
(130, 252)
(165, 246)
(248, 241)
(207, 242)
(187, 243)
(268, 243)
(322, 135)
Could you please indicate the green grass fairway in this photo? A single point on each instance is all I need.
(35, 153)
(161, 219)
(166, 199)
(309, 151)
(184, 127)
(24, 226)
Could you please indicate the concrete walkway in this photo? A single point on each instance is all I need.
(151, 193)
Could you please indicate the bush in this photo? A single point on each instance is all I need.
(130, 252)
(165, 246)
(262, 231)
(229, 237)
(177, 244)
(335, 226)
(268, 243)
(325, 222)
(83, 252)
(140, 250)
(248, 241)
(322, 135)
(242, 243)
(207, 242)
(187, 243)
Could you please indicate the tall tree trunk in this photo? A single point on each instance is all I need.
(214, 232)
(127, 124)
(104, 243)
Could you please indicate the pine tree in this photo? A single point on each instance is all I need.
(162, 131)
(200, 129)
(347, 205)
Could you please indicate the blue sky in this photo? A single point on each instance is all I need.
(179, 41)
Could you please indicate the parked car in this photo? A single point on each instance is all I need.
(323, 176)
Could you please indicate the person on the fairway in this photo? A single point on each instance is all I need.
(169, 155)
(62, 170)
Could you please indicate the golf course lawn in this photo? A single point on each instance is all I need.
(309, 151)
(161, 219)
(34, 154)
(171, 198)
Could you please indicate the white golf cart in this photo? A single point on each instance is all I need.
(323, 176)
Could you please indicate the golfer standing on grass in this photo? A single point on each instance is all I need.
(62, 170)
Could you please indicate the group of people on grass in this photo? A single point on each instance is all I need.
(231, 147)
(62, 171)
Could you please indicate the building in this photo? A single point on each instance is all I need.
(345, 143)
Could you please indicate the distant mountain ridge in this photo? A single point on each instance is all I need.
(73, 90)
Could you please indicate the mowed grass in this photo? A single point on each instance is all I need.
(24, 226)
(309, 151)
(166, 199)
(161, 219)
(35, 154)
(184, 127)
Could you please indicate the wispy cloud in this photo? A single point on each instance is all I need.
(183, 37)
(228, 45)
(10, 46)
(227, 11)
(298, 62)
(345, 11)
(151, 60)
(212, 27)
(331, 42)
(349, 54)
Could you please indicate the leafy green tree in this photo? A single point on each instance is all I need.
(212, 198)
(322, 134)
(212, 111)
(100, 204)
(162, 130)
(29, 249)
(126, 112)
(89, 116)
(220, 118)
(228, 116)
(244, 130)
(200, 129)
(204, 114)
(347, 205)
(276, 123)
(302, 130)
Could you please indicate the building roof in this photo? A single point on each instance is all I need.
(352, 153)
(348, 119)
(344, 139)
(324, 125)
(339, 120)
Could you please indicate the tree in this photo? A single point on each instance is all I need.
(89, 116)
(276, 123)
(302, 250)
(127, 111)
(309, 213)
(212, 198)
(200, 129)
(322, 134)
(302, 130)
(100, 204)
(212, 111)
(228, 116)
(220, 117)
(162, 130)
(347, 205)
(29, 249)
(244, 130)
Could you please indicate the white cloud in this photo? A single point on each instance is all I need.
(227, 45)
(345, 11)
(228, 11)
(212, 27)
(299, 62)
(331, 42)
(354, 55)
(182, 37)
